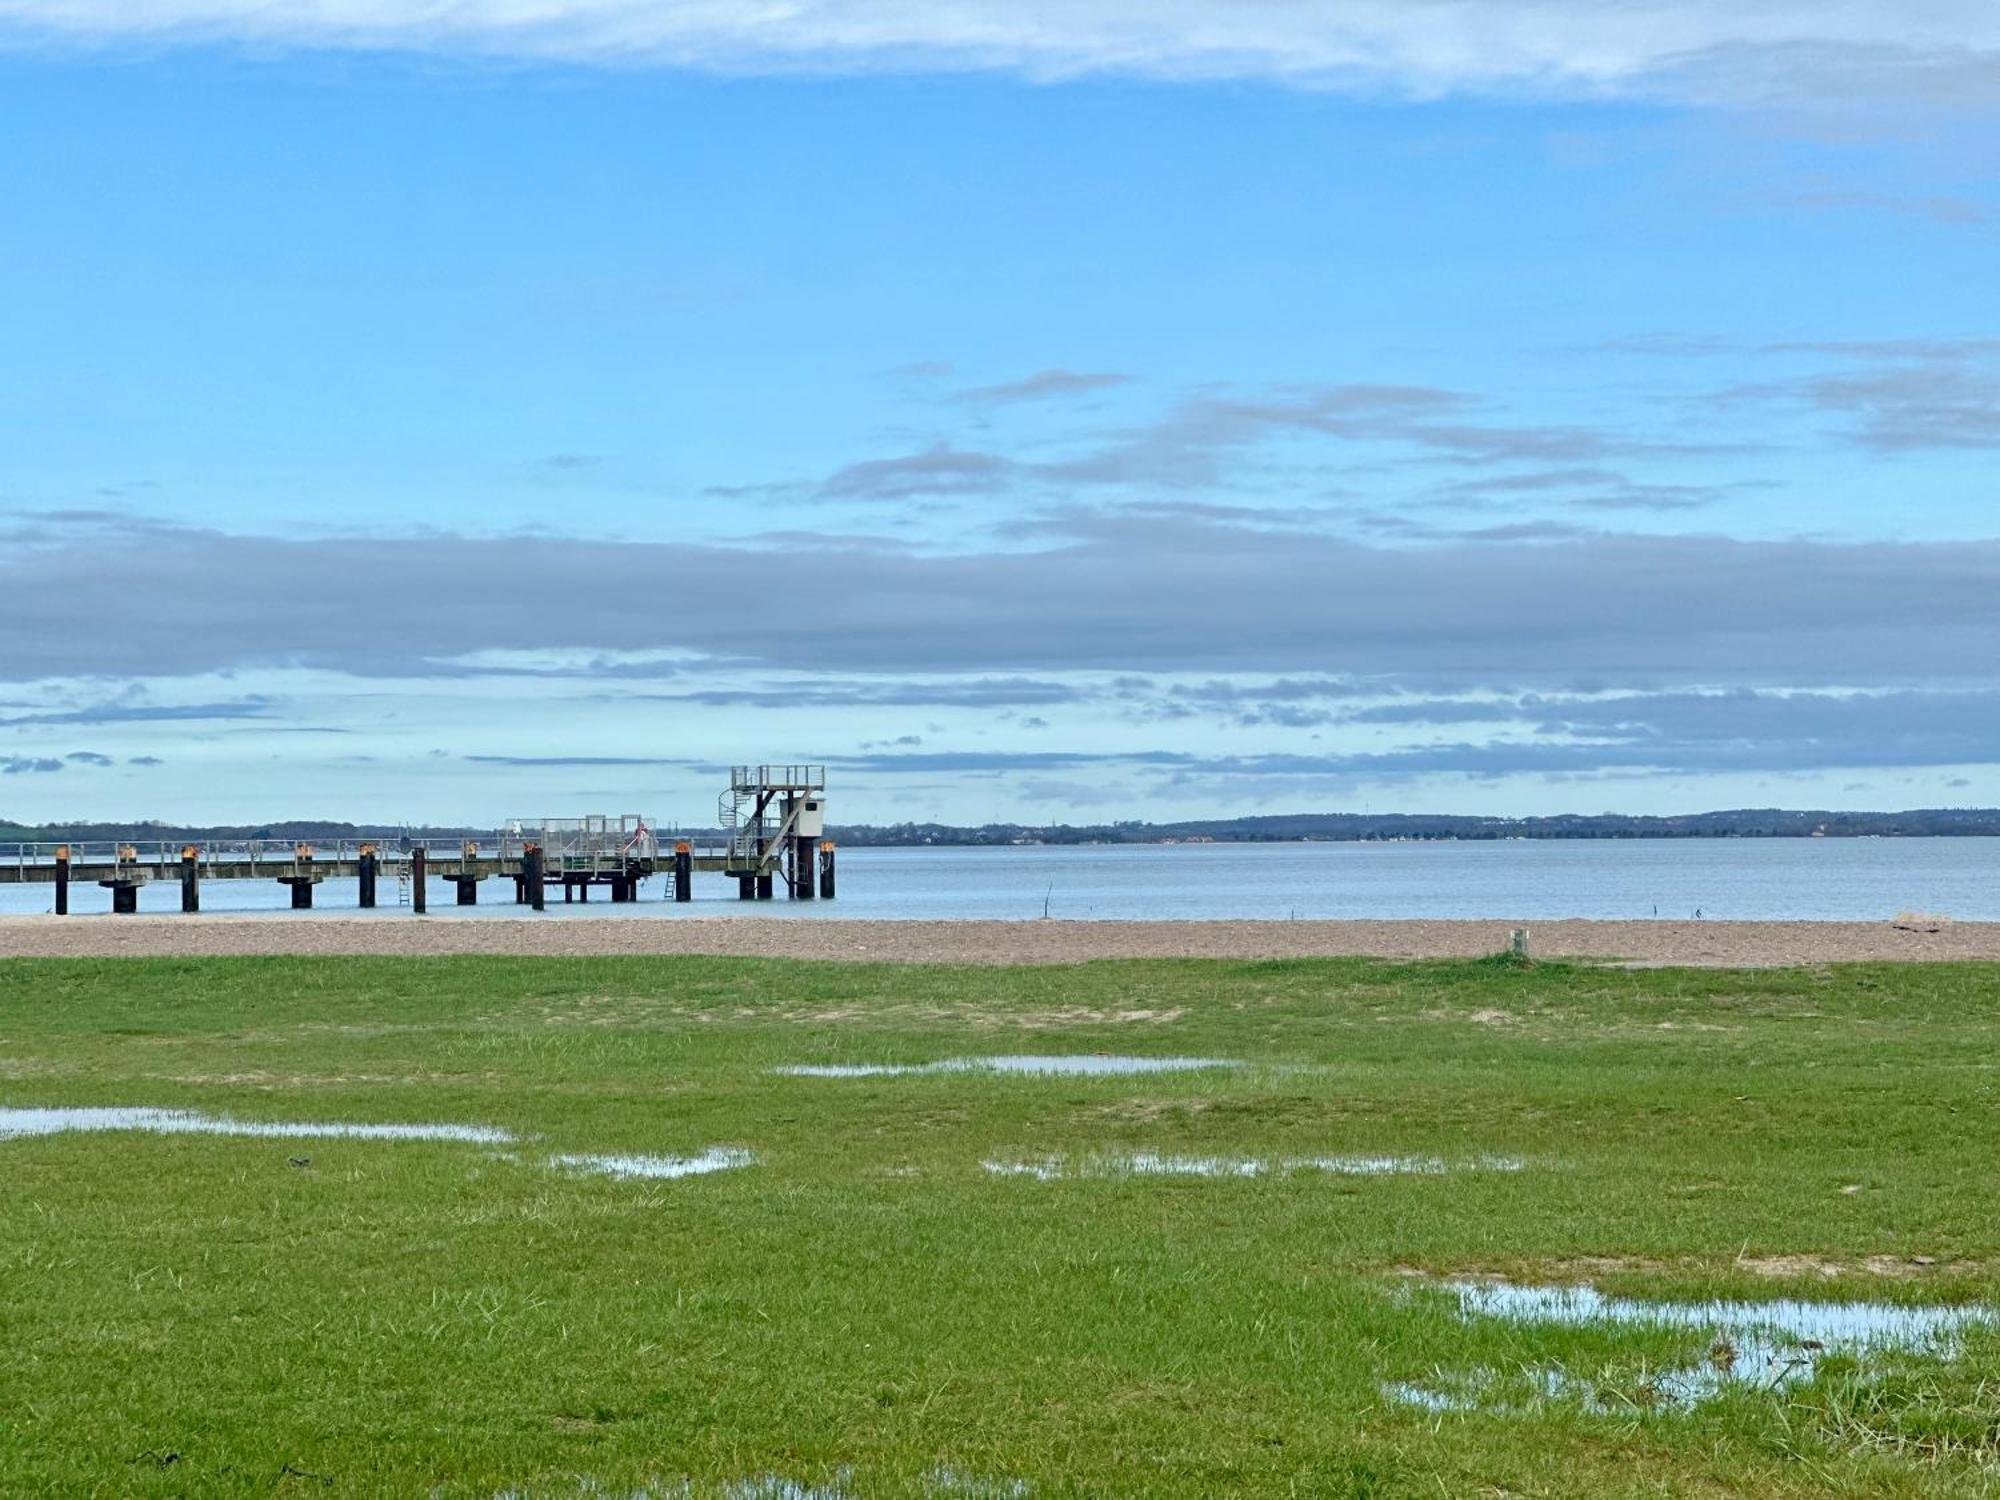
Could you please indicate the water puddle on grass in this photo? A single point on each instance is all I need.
(1761, 1345)
(715, 1159)
(1153, 1164)
(1084, 1065)
(16, 1124)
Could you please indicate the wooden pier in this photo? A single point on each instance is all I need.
(769, 834)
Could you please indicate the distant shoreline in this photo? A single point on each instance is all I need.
(1640, 943)
(1284, 828)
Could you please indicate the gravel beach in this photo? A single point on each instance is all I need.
(1703, 944)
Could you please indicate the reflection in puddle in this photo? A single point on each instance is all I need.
(1765, 1345)
(17, 1123)
(715, 1159)
(1084, 1064)
(1152, 1164)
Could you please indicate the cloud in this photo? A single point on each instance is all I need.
(1044, 385)
(1121, 595)
(1692, 50)
(938, 471)
(1937, 208)
(254, 707)
(575, 760)
(1666, 733)
(88, 758)
(1905, 398)
(21, 765)
(974, 692)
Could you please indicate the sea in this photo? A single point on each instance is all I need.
(1869, 879)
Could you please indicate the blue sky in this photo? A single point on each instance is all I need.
(1078, 414)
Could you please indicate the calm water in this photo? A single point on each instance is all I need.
(1847, 879)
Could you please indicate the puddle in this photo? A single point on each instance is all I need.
(1152, 1164)
(715, 1159)
(1764, 1345)
(1089, 1064)
(16, 1124)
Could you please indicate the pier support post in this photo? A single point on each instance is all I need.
(468, 889)
(418, 876)
(746, 888)
(805, 868)
(125, 882)
(826, 869)
(763, 887)
(190, 879)
(301, 880)
(62, 881)
(683, 872)
(531, 868)
(367, 869)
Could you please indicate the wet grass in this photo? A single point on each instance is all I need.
(869, 1310)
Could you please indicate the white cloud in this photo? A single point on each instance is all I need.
(1685, 49)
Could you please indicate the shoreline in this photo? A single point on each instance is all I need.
(1707, 944)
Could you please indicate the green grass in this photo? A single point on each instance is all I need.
(866, 1305)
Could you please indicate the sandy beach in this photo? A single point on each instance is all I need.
(1703, 944)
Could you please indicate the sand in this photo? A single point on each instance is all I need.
(1701, 944)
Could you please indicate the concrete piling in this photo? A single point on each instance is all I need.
(763, 887)
(805, 868)
(746, 888)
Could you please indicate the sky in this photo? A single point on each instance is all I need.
(1046, 411)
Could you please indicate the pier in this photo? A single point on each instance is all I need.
(769, 835)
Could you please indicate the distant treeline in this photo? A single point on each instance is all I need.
(1745, 823)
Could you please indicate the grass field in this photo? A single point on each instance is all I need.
(867, 1309)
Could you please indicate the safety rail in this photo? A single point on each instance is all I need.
(777, 778)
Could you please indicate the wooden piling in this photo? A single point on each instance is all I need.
(468, 889)
(826, 869)
(531, 864)
(683, 871)
(190, 879)
(418, 875)
(125, 882)
(62, 881)
(805, 868)
(746, 888)
(367, 870)
(763, 887)
(302, 880)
